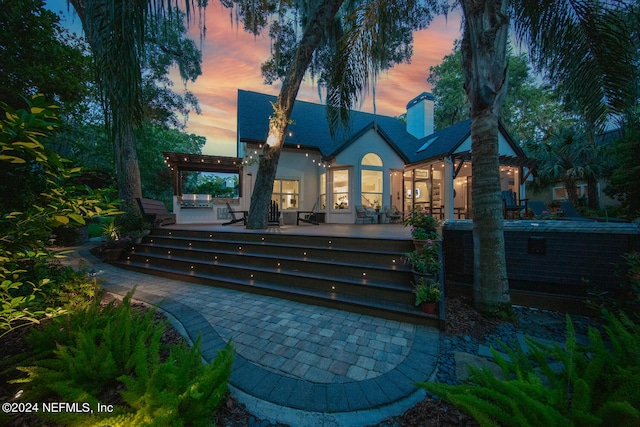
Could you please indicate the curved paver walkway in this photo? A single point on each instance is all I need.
(295, 363)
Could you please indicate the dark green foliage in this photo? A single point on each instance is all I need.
(83, 356)
(39, 55)
(181, 391)
(89, 349)
(624, 182)
(26, 222)
(573, 385)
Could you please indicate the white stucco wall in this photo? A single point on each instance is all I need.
(370, 142)
(294, 164)
(503, 146)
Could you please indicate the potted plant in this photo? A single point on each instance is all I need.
(428, 294)
(421, 236)
(114, 244)
(424, 261)
(423, 226)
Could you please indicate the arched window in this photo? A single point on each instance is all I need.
(371, 159)
(371, 180)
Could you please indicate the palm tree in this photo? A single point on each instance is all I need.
(569, 156)
(582, 44)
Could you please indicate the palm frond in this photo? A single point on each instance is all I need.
(587, 47)
(379, 34)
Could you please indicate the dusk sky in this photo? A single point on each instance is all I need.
(232, 58)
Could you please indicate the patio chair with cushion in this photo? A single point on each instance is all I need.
(511, 206)
(391, 214)
(363, 215)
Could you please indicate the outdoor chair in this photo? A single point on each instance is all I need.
(274, 214)
(307, 216)
(397, 214)
(234, 218)
(155, 212)
(391, 214)
(363, 215)
(570, 213)
(511, 206)
(538, 208)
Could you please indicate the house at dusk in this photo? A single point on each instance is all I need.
(376, 161)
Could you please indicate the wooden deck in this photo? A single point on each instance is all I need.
(355, 268)
(366, 231)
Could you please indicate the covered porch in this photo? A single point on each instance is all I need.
(443, 186)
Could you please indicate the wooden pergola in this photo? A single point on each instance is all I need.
(179, 162)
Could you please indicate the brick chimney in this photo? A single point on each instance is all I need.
(420, 118)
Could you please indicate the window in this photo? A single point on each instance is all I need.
(341, 189)
(286, 193)
(371, 188)
(371, 159)
(560, 193)
(215, 184)
(371, 182)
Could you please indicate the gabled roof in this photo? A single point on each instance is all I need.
(311, 130)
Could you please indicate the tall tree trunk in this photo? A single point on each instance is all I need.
(268, 164)
(484, 47)
(570, 182)
(126, 160)
(593, 200)
(120, 75)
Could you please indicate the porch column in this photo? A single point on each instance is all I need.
(448, 188)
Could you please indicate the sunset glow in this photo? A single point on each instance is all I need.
(232, 59)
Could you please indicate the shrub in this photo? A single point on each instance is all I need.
(84, 356)
(24, 234)
(553, 386)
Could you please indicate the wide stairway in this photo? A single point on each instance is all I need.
(354, 274)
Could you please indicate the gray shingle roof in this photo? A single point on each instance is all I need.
(311, 130)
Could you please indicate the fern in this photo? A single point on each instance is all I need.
(181, 390)
(92, 350)
(598, 383)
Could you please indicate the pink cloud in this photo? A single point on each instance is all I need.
(232, 59)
